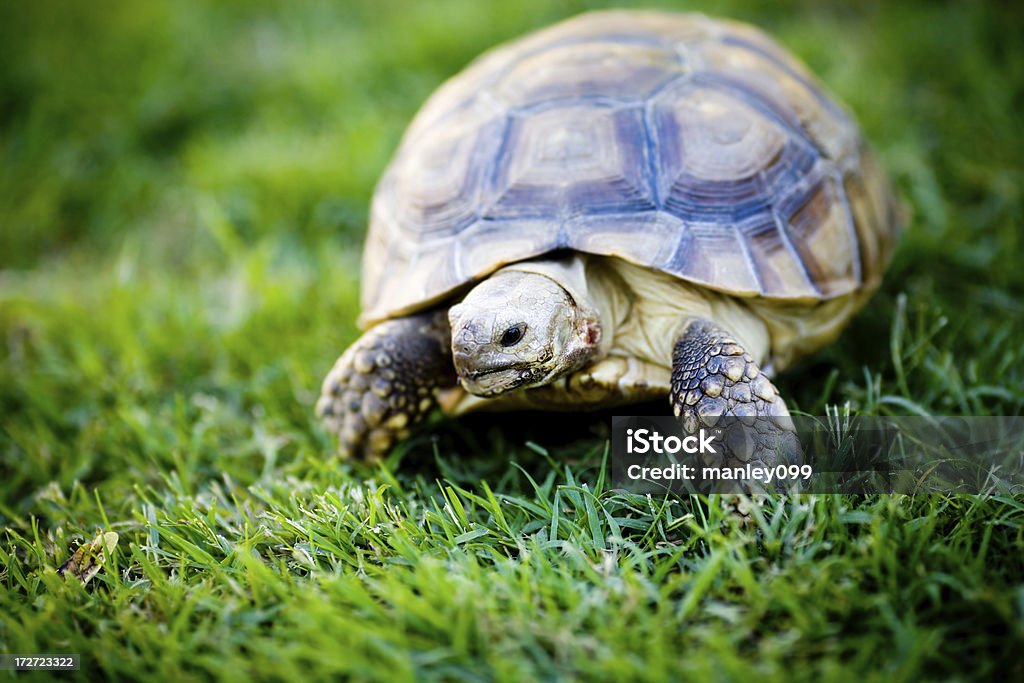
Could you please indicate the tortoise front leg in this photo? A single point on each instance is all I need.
(713, 376)
(386, 382)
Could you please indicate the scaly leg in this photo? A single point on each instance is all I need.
(713, 377)
(386, 382)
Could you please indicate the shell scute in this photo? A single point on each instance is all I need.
(651, 236)
(475, 245)
(820, 229)
(780, 271)
(440, 179)
(706, 253)
(629, 71)
(784, 87)
(719, 156)
(570, 160)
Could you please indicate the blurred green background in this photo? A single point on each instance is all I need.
(183, 194)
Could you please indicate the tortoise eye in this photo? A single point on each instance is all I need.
(512, 335)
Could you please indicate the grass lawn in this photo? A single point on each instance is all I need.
(183, 194)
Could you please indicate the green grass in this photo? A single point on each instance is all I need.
(183, 190)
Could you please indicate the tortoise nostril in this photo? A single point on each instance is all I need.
(463, 342)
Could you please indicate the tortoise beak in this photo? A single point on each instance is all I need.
(495, 381)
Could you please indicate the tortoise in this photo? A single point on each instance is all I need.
(621, 207)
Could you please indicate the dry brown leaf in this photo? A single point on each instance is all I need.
(87, 561)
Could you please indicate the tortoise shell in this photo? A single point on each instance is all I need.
(693, 146)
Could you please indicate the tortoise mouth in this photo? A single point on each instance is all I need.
(494, 381)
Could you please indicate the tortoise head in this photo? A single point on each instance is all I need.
(518, 329)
